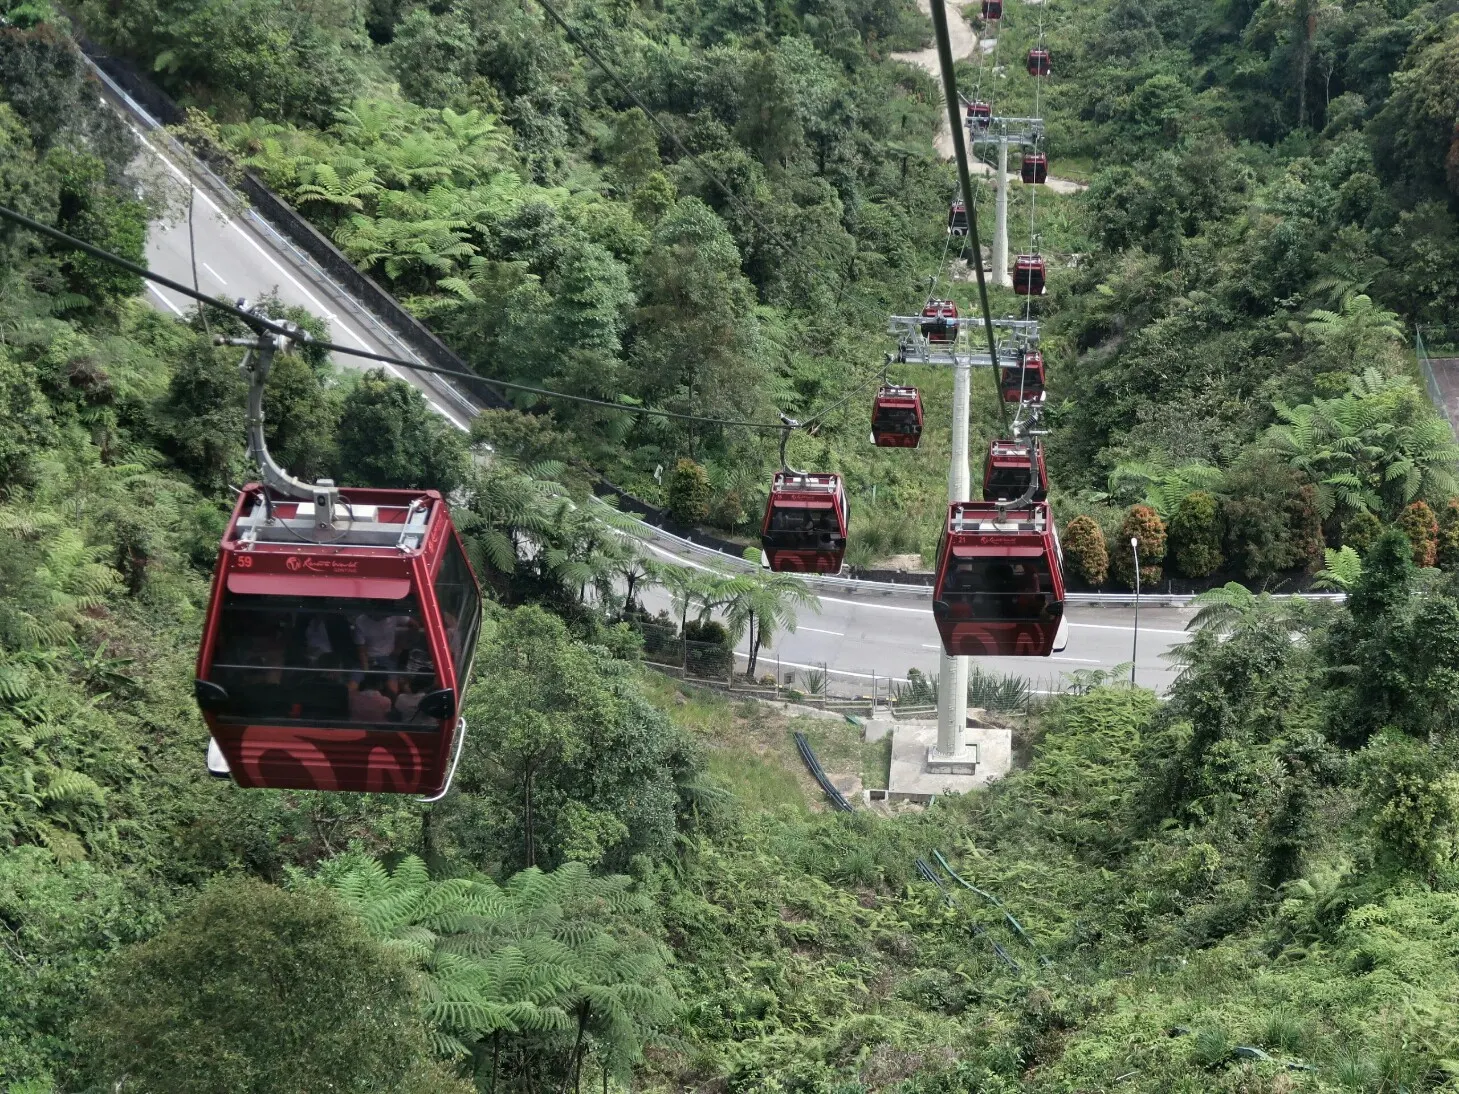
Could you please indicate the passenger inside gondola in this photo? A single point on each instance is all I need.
(897, 419)
(814, 529)
(319, 661)
(997, 589)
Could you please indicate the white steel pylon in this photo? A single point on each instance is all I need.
(1000, 221)
(952, 672)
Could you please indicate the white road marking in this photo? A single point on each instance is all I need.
(229, 222)
(817, 630)
(216, 276)
(158, 294)
(873, 604)
(1077, 660)
(926, 646)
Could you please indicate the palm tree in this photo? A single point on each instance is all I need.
(1161, 487)
(1344, 567)
(686, 588)
(538, 972)
(762, 604)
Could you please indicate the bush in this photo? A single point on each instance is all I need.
(1271, 518)
(689, 492)
(1084, 550)
(707, 650)
(1418, 523)
(1142, 523)
(1361, 531)
(186, 1011)
(1448, 554)
(1195, 535)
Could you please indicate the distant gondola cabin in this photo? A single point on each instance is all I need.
(806, 522)
(1030, 275)
(896, 417)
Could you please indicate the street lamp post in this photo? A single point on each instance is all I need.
(1135, 646)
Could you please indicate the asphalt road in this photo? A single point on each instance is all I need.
(857, 640)
(855, 637)
(240, 256)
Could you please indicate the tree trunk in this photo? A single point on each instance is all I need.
(530, 854)
(754, 654)
(496, 1056)
(1309, 31)
(575, 1060)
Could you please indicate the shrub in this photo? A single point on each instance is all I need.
(185, 1011)
(689, 492)
(1448, 554)
(1084, 550)
(1271, 518)
(1361, 531)
(1195, 535)
(1142, 523)
(707, 649)
(1418, 523)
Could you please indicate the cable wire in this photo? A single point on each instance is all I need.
(618, 81)
(259, 323)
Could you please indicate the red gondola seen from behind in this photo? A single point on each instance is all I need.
(980, 115)
(806, 519)
(1039, 62)
(1030, 275)
(1010, 467)
(896, 417)
(1000, 582)
(992, 9)
(339, 665)
(940, 322)
(1023, 382)
(957, 219)
(340, 631)
(1035, 168)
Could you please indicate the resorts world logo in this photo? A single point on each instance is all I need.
(322, 565)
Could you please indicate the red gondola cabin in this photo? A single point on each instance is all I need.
(896, 417)
(805, 524)
(957, 219)
(939, 322)
(1008, 469)
(1000, 582)
(1023, 382)
(992, 9)
(1039, 62)
(1035, 168)
(980, 115)
(340, 665)
(1030, 275)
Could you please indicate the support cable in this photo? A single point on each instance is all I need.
(286, 330)
(960, 154)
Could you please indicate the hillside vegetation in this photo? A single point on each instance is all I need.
(1270, 212)
(1247, 886)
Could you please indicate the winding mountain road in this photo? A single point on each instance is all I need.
(859, 633)
(965, 42)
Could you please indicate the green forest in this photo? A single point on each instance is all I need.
(1249, 884)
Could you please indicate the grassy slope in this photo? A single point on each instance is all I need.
(815, 959)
